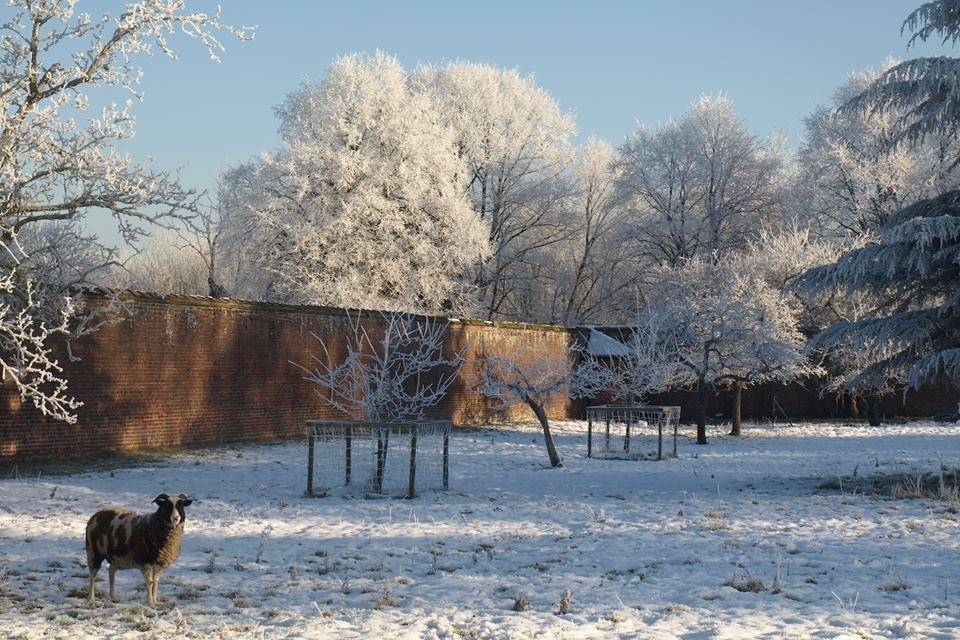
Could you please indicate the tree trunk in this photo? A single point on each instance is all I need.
(872, 409)
(737, 394)
(547, 437)
(702, 400)
(854, 407)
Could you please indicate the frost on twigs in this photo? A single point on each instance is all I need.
(364, 204)
(59, 160)
(389, 374)
(531, 372)
(629, 370)
(25, 356)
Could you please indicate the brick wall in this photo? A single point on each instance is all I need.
(196, 371)
(803, 402)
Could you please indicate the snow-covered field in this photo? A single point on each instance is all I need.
(644, 548)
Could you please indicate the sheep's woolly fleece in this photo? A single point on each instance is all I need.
(646, 549)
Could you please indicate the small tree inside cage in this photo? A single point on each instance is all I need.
(626, 371)
(384, 385)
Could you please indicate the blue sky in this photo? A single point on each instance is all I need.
(613, 63)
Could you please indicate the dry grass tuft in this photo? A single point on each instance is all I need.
(748, 583)
(943, 485)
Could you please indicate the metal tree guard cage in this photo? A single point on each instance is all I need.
(381, 458)
(623, 429)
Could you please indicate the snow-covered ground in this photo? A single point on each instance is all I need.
(643, 547)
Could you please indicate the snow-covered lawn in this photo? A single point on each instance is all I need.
(643, 547)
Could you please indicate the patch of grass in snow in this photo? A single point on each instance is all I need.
(78, 592)
(894, 586)
(190, 592)
(943, 485)
(714, 522)
(746, 583)
(521, 603)
(385, 600)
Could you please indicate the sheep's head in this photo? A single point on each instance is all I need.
(171, 509)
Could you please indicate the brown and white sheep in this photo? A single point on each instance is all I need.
(127, 540)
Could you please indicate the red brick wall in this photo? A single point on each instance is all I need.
(194, 371)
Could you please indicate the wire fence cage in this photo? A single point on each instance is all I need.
(631, 432)
(377, 458)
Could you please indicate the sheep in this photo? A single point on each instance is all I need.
(147, 541)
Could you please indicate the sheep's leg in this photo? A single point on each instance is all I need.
(156, 583)
(113, 575)
(147, 571)
(92, 596)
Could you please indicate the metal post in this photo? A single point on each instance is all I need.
(310, 455)
(589, 435)
(412, 489)
(675, 425)
(348, 462)
(606, 437)
(381, 455)
(626, 438)
(446, 462)
(660, 438)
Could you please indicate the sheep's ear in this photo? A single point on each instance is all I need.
(160, 499)
(185, 500)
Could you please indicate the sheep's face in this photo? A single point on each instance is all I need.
(172, 509)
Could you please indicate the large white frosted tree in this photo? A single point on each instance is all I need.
(730, 328)
(855, 171)
(60, 162)
(913, 336)
(514, 142)
(698, 185)
(922, 92)
(364, 205)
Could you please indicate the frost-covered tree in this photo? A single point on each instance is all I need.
(922, 93)
(243, 244)
(781, 254)
(203, 237)
(365, 203)
(531, 372)
(163, 264)
(912, 335)
(514, 142)
(913, 338)
(855, 170)
(393, 372)
(587, 277)
(730, 329)
(778, 257)
(698, 185)
(59, 161)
